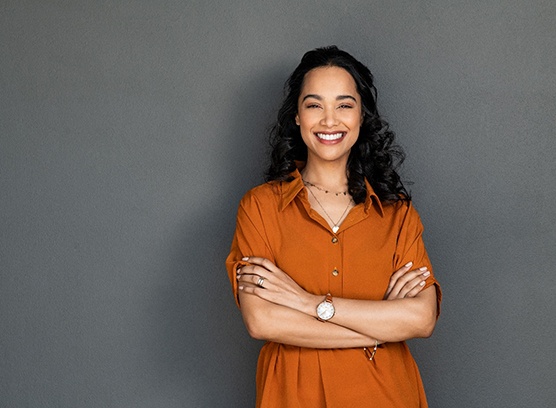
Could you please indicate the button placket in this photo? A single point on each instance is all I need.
(335, 276)
(334, 241)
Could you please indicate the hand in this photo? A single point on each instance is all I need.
(406, 283)
(277, 286)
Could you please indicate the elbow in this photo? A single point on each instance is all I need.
(255, 331)
(427, 331)
(256, 327)
(425, 317)
(419, 323)
(426, 325)
(256, 317)
(420, 329)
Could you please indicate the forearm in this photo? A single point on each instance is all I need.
(268, 321)
(388, 320)
(272, 303)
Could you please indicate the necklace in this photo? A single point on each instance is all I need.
(336, 225)
(308, 183)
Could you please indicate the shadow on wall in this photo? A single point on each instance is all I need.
(202, 350)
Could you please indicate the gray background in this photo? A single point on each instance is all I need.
(130, 130)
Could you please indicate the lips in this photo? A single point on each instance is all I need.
(330, 136)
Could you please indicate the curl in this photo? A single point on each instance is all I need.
(375, 156)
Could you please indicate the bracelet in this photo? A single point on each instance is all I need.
(371, 354)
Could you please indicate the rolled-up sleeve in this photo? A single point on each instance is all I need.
(250, 238)
(411, 248)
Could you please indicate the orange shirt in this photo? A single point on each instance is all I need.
(276, 221)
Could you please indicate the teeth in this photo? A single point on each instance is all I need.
(333, 136)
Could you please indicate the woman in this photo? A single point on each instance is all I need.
(327, 263)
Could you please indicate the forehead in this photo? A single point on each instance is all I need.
(329, 81)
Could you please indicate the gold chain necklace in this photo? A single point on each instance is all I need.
(308, 183)
(336, 225)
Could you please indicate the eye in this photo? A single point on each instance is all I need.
(313, 106)
(345, 106)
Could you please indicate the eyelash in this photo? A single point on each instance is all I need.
(344, 106)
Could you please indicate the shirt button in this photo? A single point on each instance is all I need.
(335, 272)
(334, 240)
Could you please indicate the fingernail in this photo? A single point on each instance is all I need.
(423, 268)
(240, 287)
(426, 274)
(245, 258)
(422, 283)
(407, 265)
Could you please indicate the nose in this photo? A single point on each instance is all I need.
(329, 118)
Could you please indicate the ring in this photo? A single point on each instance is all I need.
(260, 282)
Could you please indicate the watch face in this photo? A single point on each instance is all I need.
(325, 310)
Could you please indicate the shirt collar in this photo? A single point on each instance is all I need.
(372, 198)
(290, 189)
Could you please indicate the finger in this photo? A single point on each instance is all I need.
(266, 268)
(414, 286)
(249, 271)
(263, 262)
(249, 286)
(415, 291)
(260, 281)
(400, 278)
(252, 289)
(411, 289)
(408, 282)
(396, 275)
(398, 291)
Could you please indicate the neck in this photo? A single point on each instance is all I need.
(331, 175)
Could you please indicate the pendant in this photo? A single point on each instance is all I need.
(335, 229)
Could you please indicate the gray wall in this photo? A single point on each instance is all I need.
(129, 130)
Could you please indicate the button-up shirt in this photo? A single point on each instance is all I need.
(276, 221)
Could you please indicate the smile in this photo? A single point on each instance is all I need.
(330, 136)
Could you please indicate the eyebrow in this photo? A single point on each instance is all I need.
(319, 98)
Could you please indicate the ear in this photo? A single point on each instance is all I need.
(297, 119)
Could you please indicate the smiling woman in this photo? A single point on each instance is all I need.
(327, 263)
(329, 116)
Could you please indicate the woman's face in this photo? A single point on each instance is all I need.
(329, 114)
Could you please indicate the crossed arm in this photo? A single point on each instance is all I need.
(284, 312)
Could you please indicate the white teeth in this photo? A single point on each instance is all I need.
(326, 136)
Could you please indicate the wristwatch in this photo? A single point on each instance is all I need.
(325, 309)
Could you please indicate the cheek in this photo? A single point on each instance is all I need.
(305, 133)
(305, 124)
(357, 121)
(306, 136)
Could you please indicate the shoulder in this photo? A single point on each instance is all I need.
(403, 210)
(397, 207)
(275, 195)
(264, 195)
(265, 191)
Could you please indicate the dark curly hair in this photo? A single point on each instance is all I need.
(374, 155)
